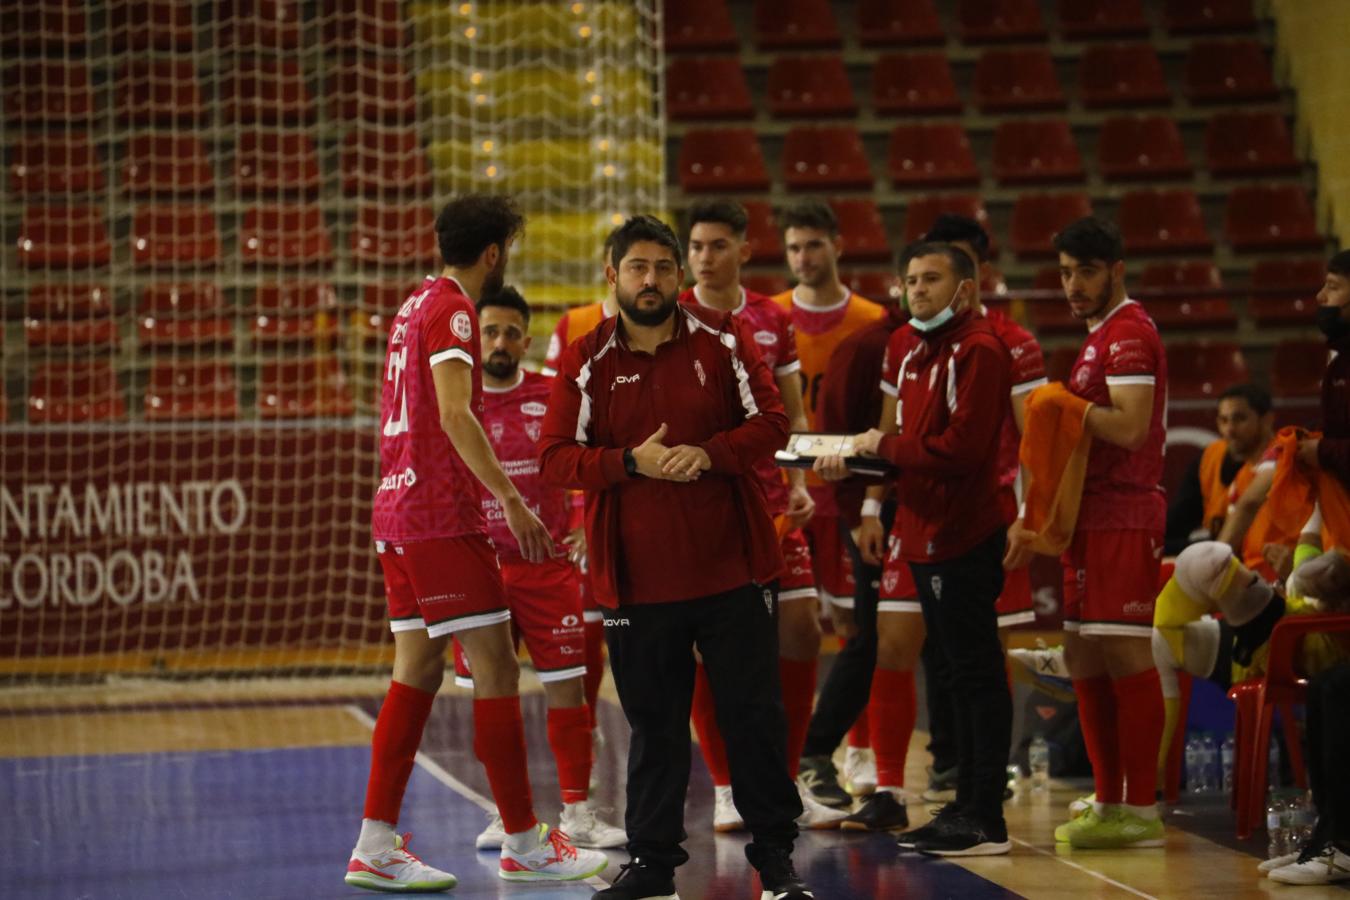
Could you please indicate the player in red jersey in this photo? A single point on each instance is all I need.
(717, 250)
(1111, 567)
(441, 573)
(544, 597)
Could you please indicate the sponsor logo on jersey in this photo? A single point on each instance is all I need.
(767, 338)
(461, 325)
(616, 623)
(398, 481)
(1138, 608)
(533, 408)
(570, 620)
(626, 379)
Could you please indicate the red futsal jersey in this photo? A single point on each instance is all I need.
(426, 491)
(514, 419)
(1122, 488)
(1028, 373)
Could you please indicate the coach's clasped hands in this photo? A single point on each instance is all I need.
(683, 462)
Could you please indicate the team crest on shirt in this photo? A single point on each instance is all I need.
(1089, 354)
(1081, 377)
(498, 429)
(698, 370)
(890, 580)
(461, 325)
(532, 430)
(936, 583)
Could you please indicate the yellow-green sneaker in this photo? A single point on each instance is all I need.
(1088, 817)
(1116, 829)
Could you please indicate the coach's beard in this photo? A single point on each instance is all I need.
(500, 365)
(647, 318)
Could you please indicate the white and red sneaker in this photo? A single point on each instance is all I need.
(552, 858)
(397, 871)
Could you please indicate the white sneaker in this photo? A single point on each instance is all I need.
(396, 870)
(552, 858)
(1042, 661)
(816, 816)
(579, 823)
(725, 816)
(1276, 862)
(1329, 866)
(860, 771)
(494, 835)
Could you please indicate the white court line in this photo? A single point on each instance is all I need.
(437, 771)
(1084, 869)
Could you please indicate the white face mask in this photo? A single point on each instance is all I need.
(943, 317)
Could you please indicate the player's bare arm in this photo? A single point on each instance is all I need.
(1125, 422)
(800, 505)
(1237, 523)
(871, 539)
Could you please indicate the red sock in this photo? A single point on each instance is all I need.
(704, 715)
(1139, 721)
(1097, 719)
(892, 709)
(398, 732)
(860, 735)
(499, 744)
(569, 734)
(595, 664)
(798, 680)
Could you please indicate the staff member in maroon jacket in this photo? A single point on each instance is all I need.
(659, 415)
(951, 396)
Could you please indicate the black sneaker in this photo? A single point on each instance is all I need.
(821, 779)
(778, 877)
(879, 812)
(964, 836)
(941, 821)
(639, 881)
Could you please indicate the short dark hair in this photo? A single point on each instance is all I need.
(815, 214)
(950, 228)
(609, 246)
(1340, 264)
(720, 212)
(1091, 238)
(643, 228)
(1257, 398)
(470, 224)
(962, 266)
(507, 298)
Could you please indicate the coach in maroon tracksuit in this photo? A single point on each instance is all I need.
(659, 415)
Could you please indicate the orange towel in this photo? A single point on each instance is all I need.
(1295, 489)
(1054, 453)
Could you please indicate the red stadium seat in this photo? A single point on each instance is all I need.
(63, 237)
(37, 92)
(266, 91)
(168, 236)
(768, 285)
(766, 241)
(1202, 371)
(722, 160)
(62, 314)
(172, 315)
(707, 87)
(1111, 75)
(1050, 314)
(999, 21)
(1270, 217)
(935, 154)
(699, 25)
(922, 212)
(56, 26)
(1037, 218)
(150, 25)
(1142, 147)
(158, 92)
(384, 163)
(295, 311)
(166, 164)
(1249, 143)
(817, 158)
(783, 24)
(809, 86)
(259, 24)
(1202, 16)
(1085, 20)
(303, 389)
(1284, 291)
(901, 23)
(379, 302)
(367, 24)
(77, 392)
(1028, 152)
(285, 235)
(276, 162)
(1164, 293)
(185, 391)
(914, 84)
(1163, 221)
(1298, 368)
(878, 285)
(373, 89)
(394, 235)
(863, 232)
(54, 163)
(1228, 72)
(1011, 80)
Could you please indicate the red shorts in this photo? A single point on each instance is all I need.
(443, 585)
(831, 561)
(545, 603)
(1014, 606)
(798, 579)
(898, 593)
(1111, 582)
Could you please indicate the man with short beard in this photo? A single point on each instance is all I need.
(660, 415)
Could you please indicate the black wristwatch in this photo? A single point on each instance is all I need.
(629, 462)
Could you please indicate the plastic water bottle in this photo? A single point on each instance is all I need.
(1273, 766)
(1277, 829)
(1195, 783)
(1038, 760)
(1227, 755)
(1302, 817)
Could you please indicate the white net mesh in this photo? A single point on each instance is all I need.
(211, 210)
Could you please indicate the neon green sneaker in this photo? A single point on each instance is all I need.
(1117, 829)
(1088, 817)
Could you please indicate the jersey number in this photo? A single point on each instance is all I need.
(393, 371)
(810, 388)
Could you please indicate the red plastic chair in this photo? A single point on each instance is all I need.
(54, 163)
(787, 24)
(367, 24)
(303, 389)
(999, 21)
(192, 314)
(1142, 147)
(1297, 369)
(1164, 292)
(809, 86)
(1085, 20)
(922, 212)
(185, 391)
(1163, 221)
(1051, 315)
(77, 392)
(1249, 143)
(294, 312)
(1027, 152)
(914, 84)
(158, 92)
(898, 23)
(1112, 75)
(1204, 16)
(761, 232)
(935, 154)
(150, 25)
(1014, 80)
(1037, 218)
(373, 89)
(266, 91)
(167, 236)
(63, 237)
(394, 236)
(1228, 72)
(168, 164)
(276, 162)
(69, 315)
(259, 24)
(816, 158)
(285, 235)
(862, 230)
(699, 25)
(724, 159)
(55, 26)
(707, 87)
(1202, 371)
(1285, 290)
(384, 163)
(46, 91)
(1270, 217)
(1257, 699)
